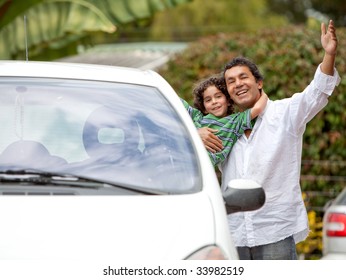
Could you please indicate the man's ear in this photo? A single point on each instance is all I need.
(260, 85)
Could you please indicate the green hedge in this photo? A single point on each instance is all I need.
(288, 59)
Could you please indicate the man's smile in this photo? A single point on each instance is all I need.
(241, 92)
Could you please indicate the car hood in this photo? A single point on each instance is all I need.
(105, 227)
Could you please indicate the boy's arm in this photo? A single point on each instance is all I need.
(195, 114)
(329, 43)
(259, 105)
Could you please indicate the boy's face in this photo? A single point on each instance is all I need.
(215, 102)
(242, 86)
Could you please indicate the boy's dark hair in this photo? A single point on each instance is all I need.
(215, 80)
(242, 61)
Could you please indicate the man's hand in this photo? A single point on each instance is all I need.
(211, 142)
(329, 43)
(328, 38)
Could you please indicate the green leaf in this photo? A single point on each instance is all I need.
(57, 22)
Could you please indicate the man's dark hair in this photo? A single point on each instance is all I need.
(215, 80)
(242, 61)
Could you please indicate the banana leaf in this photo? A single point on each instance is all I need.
(55, 23)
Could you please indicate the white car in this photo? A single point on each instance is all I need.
(102, 162)
(334, 229)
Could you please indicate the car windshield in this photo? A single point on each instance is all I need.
(114, 132)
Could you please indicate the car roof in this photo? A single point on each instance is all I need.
(79, 71)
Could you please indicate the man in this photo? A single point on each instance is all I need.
(270, 154)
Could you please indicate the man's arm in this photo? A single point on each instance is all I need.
(314, 98)
(211, 142)
(329, 43)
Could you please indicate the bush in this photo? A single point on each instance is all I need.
(288, 59)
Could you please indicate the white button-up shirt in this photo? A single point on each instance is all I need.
(272, 157)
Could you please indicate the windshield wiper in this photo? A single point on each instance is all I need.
(39, 177)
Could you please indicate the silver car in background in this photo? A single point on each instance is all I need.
(334, 228)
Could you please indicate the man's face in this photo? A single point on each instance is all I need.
(242, 86)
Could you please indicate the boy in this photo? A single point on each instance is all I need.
(214, 109)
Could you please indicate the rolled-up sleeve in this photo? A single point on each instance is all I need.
(305, 105)
(326, 83)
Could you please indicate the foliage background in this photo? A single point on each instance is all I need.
(288, 58)
(56, 28)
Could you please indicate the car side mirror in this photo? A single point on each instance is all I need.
(243, 195)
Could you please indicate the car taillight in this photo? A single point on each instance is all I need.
(336, 224)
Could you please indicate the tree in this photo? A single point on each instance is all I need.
(201, 18)
(58, 23)
(298, 11)
(335, 10)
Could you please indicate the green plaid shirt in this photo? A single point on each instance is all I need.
(230, 128)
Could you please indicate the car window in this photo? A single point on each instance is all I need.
(341, 198)
(120, 133)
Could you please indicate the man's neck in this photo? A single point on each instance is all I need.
(247, 133)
